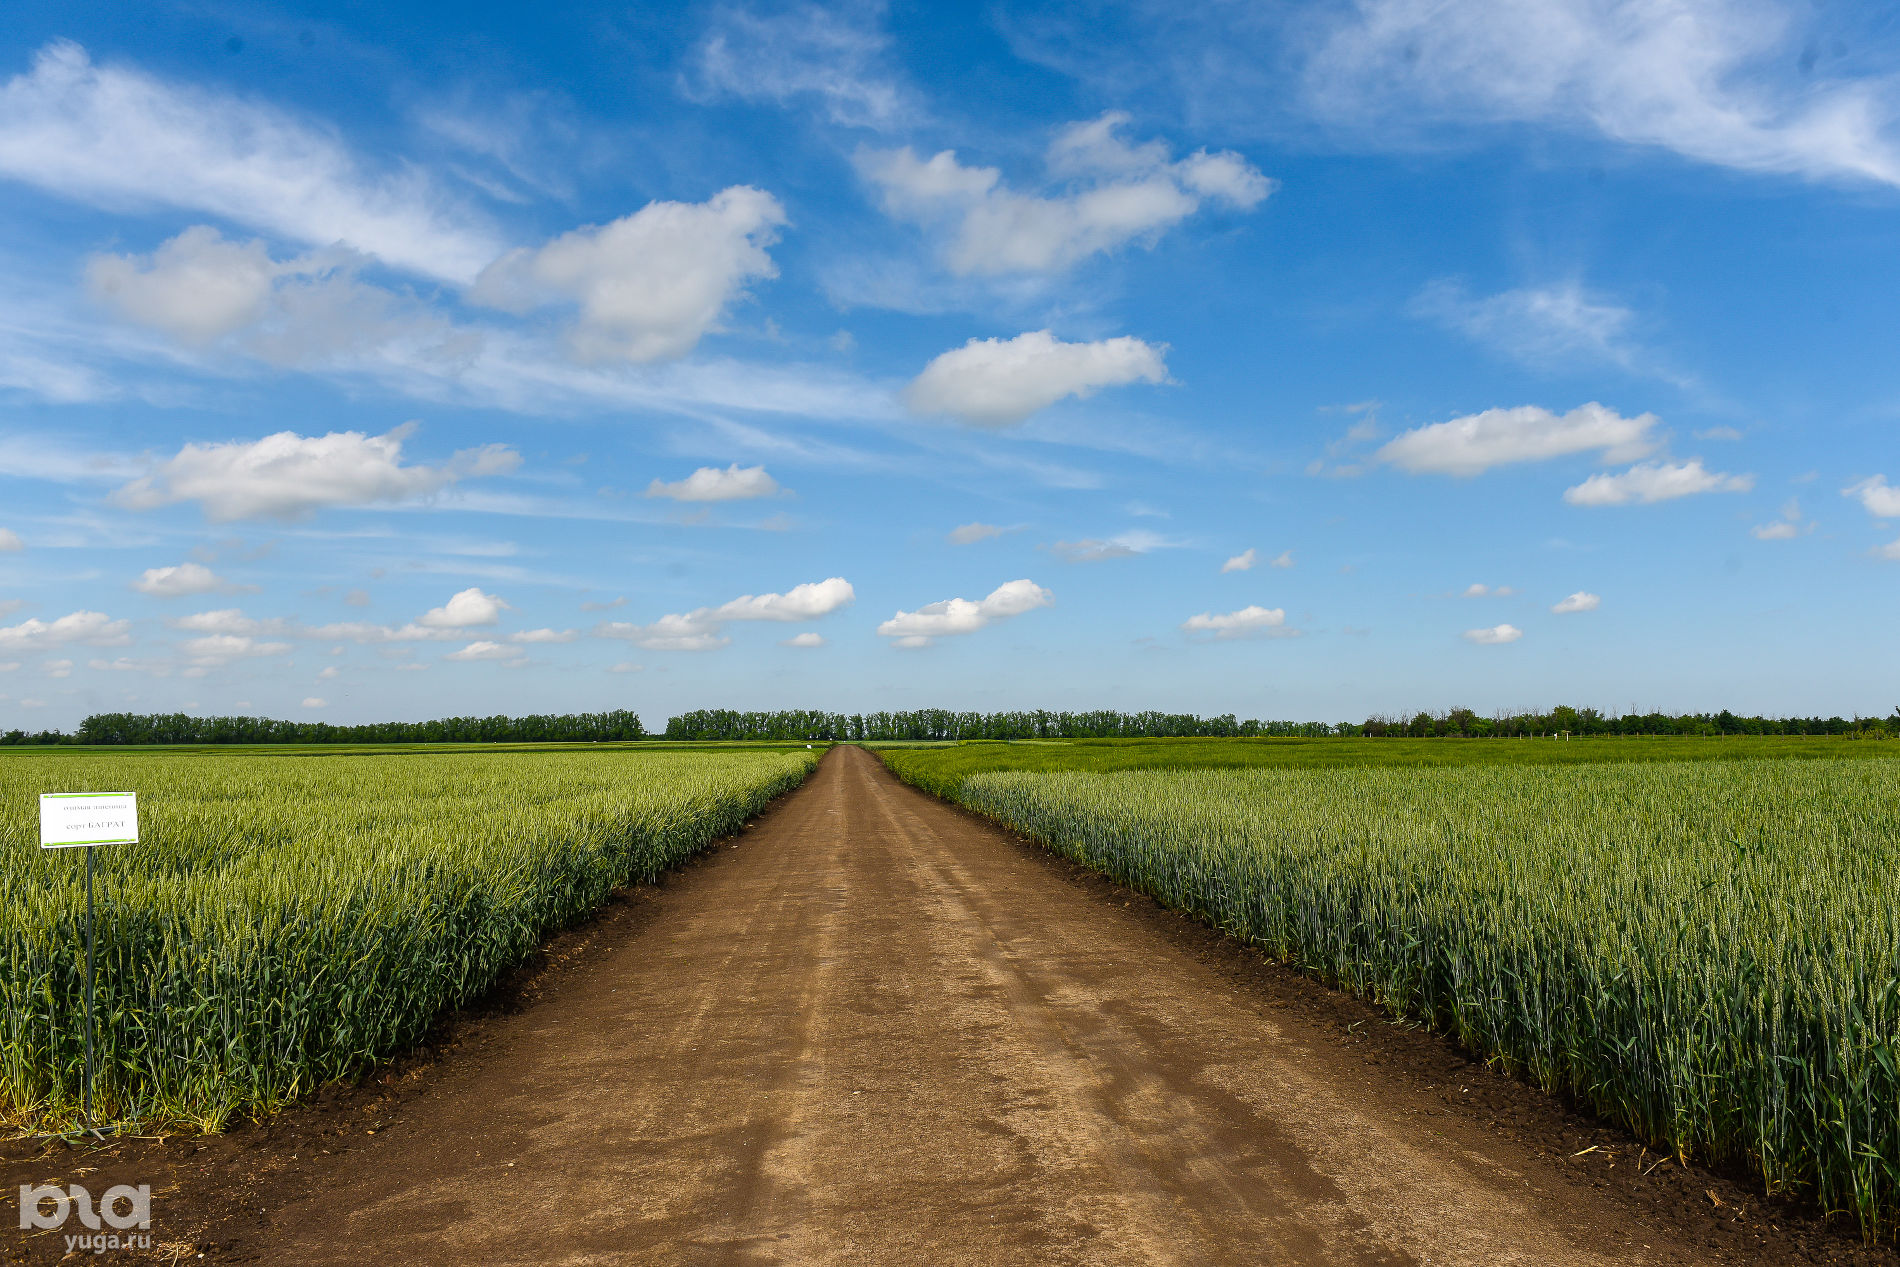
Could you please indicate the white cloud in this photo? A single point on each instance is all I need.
(1125, 545)
(10, 541)
(329, 672)
(1539, 325)
(703, 628)
(1889, 551)
(1881, 499)
(970, 534)
(804, 640)
(309, 312)
(182, 580)
(650, 285)
(626, 666)
(196, 287)
(1242, 562)
(1702, 78)
(1718, 433)
(1786, 528)
(288, 476)
(1115, 193)
(995, 382)
(464, 610)
(1248, 622)
(313, 701)
(536, 637)
(1528, 433)
(118, 138)
(802, 602)
(229, 620)
(59, 668)
(485, 651)
(1478, 589)
(1581, 601)
(962, 615)
(810, 52)
(711, 484)
(93, 629)
(1284, 559)
(215, 649)
(1497, 635)
(1655, 482)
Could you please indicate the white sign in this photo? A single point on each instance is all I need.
(71, 819)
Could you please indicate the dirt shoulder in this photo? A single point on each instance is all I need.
(874, 1028)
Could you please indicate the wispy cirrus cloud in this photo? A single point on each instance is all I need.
(1705, 79)
(836, 58)
(117, 136)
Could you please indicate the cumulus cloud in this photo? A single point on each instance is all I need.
(196, 287)
(537, 637)
(464, 610)
(803, 640)
(469, 609)
(1889, 551)
(486, 651)
(962, 615)
(1477, 442)
(313, 701)
(1496, 635)
(288, 476)
(1581, 601)
(182, 580)
(1249, 622)
(1786, 528)
(1242, 562)
(970, 534)
(1112, 193)
(1539, 325)
(1881, 500)
(647, 286)
(221, 648)
(10, 541)
(93, 629)
(802, 602)
(58, 668)
(1697, 77)
(1478, 589)
(703, 628)
(996, 382)
(711, 484)
(199, 289)
(116, 137)
(809, 53)
(1655, 482)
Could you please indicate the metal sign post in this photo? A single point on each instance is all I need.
(86, 820)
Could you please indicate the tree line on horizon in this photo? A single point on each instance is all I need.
(942, 724)
(930, 724)
(181, 728)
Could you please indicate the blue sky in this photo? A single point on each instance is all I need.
(376, 361)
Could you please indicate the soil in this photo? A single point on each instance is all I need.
(874, 1028)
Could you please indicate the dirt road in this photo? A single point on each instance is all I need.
(874, 1029)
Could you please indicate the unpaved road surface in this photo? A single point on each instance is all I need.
(876, 1030)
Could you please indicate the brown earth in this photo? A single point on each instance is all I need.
(873, 1028)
